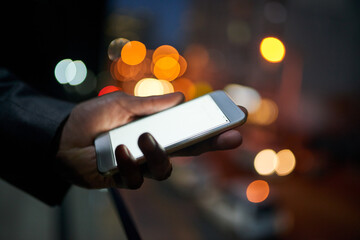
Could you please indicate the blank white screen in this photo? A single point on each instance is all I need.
(171, 126)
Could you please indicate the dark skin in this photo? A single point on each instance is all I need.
(76, 155)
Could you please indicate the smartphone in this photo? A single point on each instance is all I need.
(174, 128)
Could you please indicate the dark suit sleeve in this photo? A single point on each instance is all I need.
(30, 124)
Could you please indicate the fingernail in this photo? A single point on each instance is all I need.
(152, 141)
(125, 153)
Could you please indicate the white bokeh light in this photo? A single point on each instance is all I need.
(71, 72)
(244, 96)
(80, 73)
(60, 70)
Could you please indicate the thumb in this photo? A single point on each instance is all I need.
(149, 105)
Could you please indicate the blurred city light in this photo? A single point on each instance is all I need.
(202, 88)
(168, 87)
(70, 72)
(60, 70)
(257, 191)
(197, 56)
(115, 47)
(265, 162)
(244, 96)
(165, 51)
(238, 32)
(266, 114)
(108, 89)
(133, 52)
(186, 86)
(272, 49)
(126, 72)
(80, 73)
(167, 68)
(286, 162)
(149, 87)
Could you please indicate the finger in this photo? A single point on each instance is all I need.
(148, 105)
(228, 140)
(129, 174)
(157, 160)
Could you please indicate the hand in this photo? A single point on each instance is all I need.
(76, 156)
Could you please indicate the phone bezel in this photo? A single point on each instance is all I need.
(106, 161)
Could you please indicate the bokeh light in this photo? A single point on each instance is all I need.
(286, 162)
(265, 162)
(133, 52)
(149, 87)
(168, 87)
(275, 12)
(183, 65)
(266, 113)
(257, 191)
(128, 72)
(165, 51)
(115, 47)
(238, 32)
(71, 72)
(197, 56)
(272, 49)
(80, 73)
(60, 70)
(244, 96)
(186, 86)
(202, 88)
(166, 68)
(108, 89)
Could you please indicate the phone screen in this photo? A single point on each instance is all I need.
(171, 126)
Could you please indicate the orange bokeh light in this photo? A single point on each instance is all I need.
(108, 89)
(129, 72)
(272, 49)
(186, 86)
(257, 191)
(167, 68)
(266, 113)
(133, 52)
(183, 65)
(165, 51)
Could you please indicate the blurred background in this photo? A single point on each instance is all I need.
(294, 64)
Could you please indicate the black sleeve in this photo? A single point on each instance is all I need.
(29, 133)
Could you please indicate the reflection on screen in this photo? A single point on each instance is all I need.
(171, 126)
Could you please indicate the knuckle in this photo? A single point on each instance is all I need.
(135, 184)
(165, 175)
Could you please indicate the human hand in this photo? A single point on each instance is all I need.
(76, 156)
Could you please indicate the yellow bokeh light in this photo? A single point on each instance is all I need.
(286, 162)
(265, 162)
(133, 52)
(272, 49)
(202, 88)
(149, 87)
(167, 68)
(257, 191)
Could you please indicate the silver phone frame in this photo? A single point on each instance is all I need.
(105, 157)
